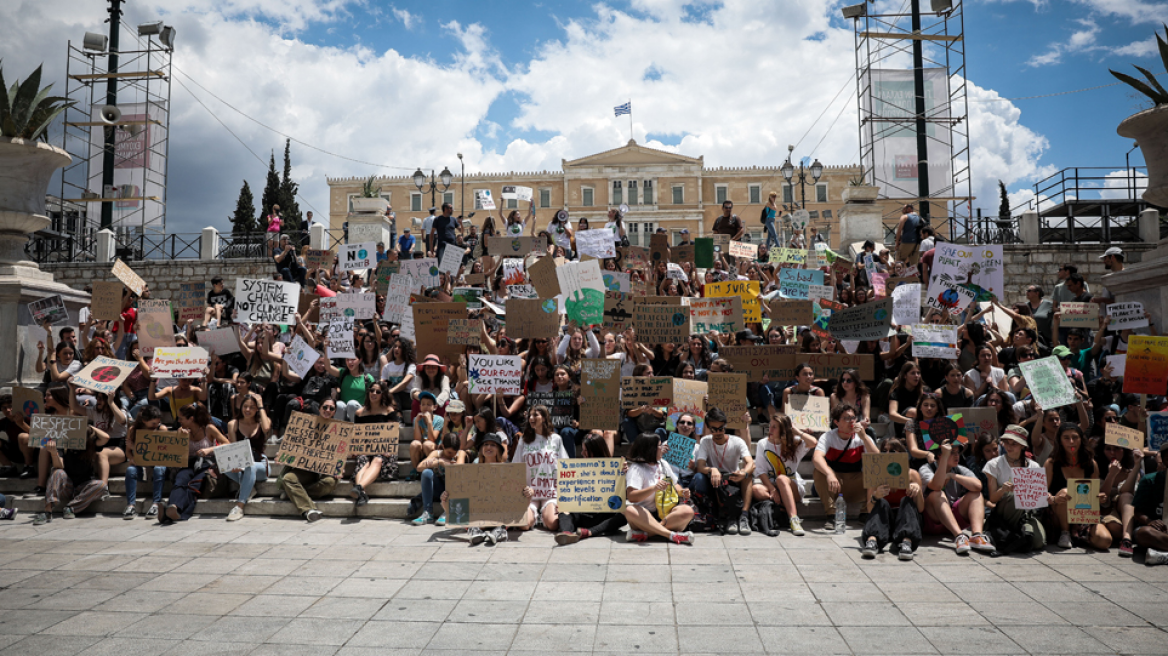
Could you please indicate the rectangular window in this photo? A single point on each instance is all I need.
(415, 202)
(617, 193)
(720, 194)
(632, 192)
(821, 193)
(586, 192)
(545, 197)
(647, 192)
(814, 214)
(512, 204)
(632, 231)
(448, 197)
(827, 214)
(755, 195)
(678, 194)
(788, 194)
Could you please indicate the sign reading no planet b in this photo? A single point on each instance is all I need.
(266, 301)
(357, 257)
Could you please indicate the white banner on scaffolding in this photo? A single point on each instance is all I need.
(139, 165)
(894, 142)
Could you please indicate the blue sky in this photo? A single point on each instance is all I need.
(519, 86)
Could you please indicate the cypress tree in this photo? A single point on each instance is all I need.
(289, 208)
(243, 221)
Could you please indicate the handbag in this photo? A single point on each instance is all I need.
(666, 500)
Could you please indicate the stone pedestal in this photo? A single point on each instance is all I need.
(20, 286)
(369, 227)
(1145, 282)
(860, 221)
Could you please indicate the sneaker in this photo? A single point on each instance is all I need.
(1154, 557)
(28, 472)
(1064, 541)
(38, 491)
(743, 525)
(313, 515)
(441, 521)
(565, 537)
(153, 512)
(869, 550)
(730, 528)
(362, 496)
(235, 515)
(477, 535)
(172, 513)
(961, 544)
(796, 525)
(422, 520)
(1126, 548)
(129, 512)
(686, 537)
(829, 525)
(497, 535)
(636, 536)
(906, 550)
(105, 495)
(8, 513)
(980, 542)
(69, 514)
(41, 519)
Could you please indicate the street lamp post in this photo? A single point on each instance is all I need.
(420, 182)
(788, 169)
(462, 195)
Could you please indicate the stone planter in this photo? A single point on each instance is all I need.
(370, 205)
(863, 194)
(1150, 129)
(25, 170)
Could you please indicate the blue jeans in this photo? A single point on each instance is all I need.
(248, 477)
(433, 486)
(629, 429)
(772, 236)
(700, 484)
(132, 477)
(568, 436)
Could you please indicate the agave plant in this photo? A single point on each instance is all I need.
(26, 110)
(367, 190)
(1152, 89)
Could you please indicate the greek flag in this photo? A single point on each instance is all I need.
(626, 108)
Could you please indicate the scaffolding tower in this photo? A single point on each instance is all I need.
(896, 54)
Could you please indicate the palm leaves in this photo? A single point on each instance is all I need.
(367, 190)
(26, 110)
(1152, 89)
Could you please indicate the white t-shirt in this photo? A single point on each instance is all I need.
(395, 373)
(541, 456)
(515, 229)
(724, 458)
(615, 230)
(768, 459)
(641, 476)
(996, 374)
(1002, 472)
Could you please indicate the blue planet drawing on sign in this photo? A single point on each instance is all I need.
(614, 502)
(433, 271)
(548, 306)
(880, 314)
(362, 254)
(515, 245)
(679, 318)
(949, 298)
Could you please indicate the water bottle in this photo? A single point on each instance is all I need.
(841, 514)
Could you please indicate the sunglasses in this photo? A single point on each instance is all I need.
(717, 429)
(1111, 420)
(685, 423)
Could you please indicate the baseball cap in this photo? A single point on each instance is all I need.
(1060, 352)
(685, 231)
(455, 406)
(489, 437)
(1017, 434)
(1114, 250)
(428, 395)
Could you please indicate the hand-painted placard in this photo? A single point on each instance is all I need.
(618, 311)
(1146, 368)
(727, 392)
(318, 258)
(889, 469)
(341, 342)
(1083, 501)
(532, 318)
(817, 292)
(128, 277)
(106, 300)
(652, 391)
(266, 301)
(374, 438)
(864, 322)
(348, 307)
(1123, 437)
(789, 312)
(430, 321)
(512, 192)
(590, 485)
(50, 309)
(977, 421)
(934, 341)
(1048, 382)
(357, 257)
(316, 444)
(542, 274)
(489, 374)
(451, 259)
(27, 401)
(161, 449)
(220, 341)
(509, 246)
(155, 325)
(811, 413)
(424, 272)
(66, 431)
(947, 296)
(1157, 429)
(796, 283)
(1030, 488)
(486, 495)
(597, 243)
(661, 324)
(1126, 316)
(743, 249)
(236, 456)
(599, 394)
(103, 375)
(583, 287)
(1079, 315)
(963, 264)
(906, 304)
(679, 451)
(300, 356)
(723, 314)
(179, 362)
(747, 290)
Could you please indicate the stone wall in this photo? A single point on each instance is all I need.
(1028, 264)
(164, 276)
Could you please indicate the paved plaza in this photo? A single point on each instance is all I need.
(279, 586)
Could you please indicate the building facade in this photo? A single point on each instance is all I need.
(661, 189)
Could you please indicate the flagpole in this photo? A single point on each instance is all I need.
(630, 119)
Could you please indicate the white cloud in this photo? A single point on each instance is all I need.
(408, 20)
(1145, 48)
(1135, 11)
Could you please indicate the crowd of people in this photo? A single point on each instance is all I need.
(735, 484)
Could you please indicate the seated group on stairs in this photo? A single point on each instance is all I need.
(753, 468)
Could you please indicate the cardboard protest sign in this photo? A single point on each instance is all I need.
(512, 192)
(50, 309)
(679, 451)
(430, 322)
(658, 248)
(220, 341)
(104, 375)
(1048, 382)
(489, 374)
(597, 243)
(464, 332)
(128, 277)
(889, 469)
(505, 246)
(906, 304)
(747, 290)
(963, 264)
(1083, 501)
(1125, 316)
(895, 282)
(600, 388)
(357, 257)
(27, 401)
(1146, 368)
(688, 398)
(723, 314)
(789, 313)
(811, 413)
(1157, 429)
(179, 362)
(486, 495)
(682, 253)
(653, 391)
(1030, 488)
(727, 392)
(934, 341)
(532, 318)
(155, 325)
(1079, 315)
(314, 443)
(1123, 437)
(542, 274)
(795, 283)
(634, 257)
(191, 301)
(424, 272)
(863, 322)
(266, 301)
(162, 449)
(742, 249)
(237, 455)
(661, 324)
(315, 258)
(977, 421)
(763, 359)
(106, 300)
(374, 438)
(618, 311)
(65, 431)
(341, 342)
(590, 485)
(583, 289)
(704, 253)
(300, 356)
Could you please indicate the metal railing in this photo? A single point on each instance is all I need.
(1087, 183)
(1062, 230)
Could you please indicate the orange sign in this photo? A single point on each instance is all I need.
(1146, 371)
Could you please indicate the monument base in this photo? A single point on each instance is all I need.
(19, 286)
(1145, 282)
(365, 227)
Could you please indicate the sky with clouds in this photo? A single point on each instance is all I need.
(520, 86)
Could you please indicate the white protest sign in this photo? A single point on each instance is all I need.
(51, 309)
(1030, 490)
(423, 271)
(489, 374)
(597, 243)
(397, 298)
(220, 341)
(236, 455)
(906, 304)
(1118, 363)
(340, 343)
(348, 307)
(511, 192)
(179, 362)
(451, 259)
(483, 199)
(957, 264)
(522, 291)
(357, 257)
(934, 341)
(266, 301)
(300, 356)
(407, 324)
(1126, 316)
(818, 292)
(674, 271)
(616, 281)
(1048, 382)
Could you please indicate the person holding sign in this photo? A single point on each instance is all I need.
(577, 526)
(378, 409)
(900, 526)
(427, 429)
(1072, 460)
(540, 448)
(999, 474)
(651, 491)
(105, 414)
(73, 477)
(61, 365)
(778, 459)
(253, 426)
(491, 451)
(804, 385)
(149, 419)
(922, 450)
(57, 402)
(1119, 485)
(1152, 533)
(953, 500)
(202, 438)
(433, 470)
